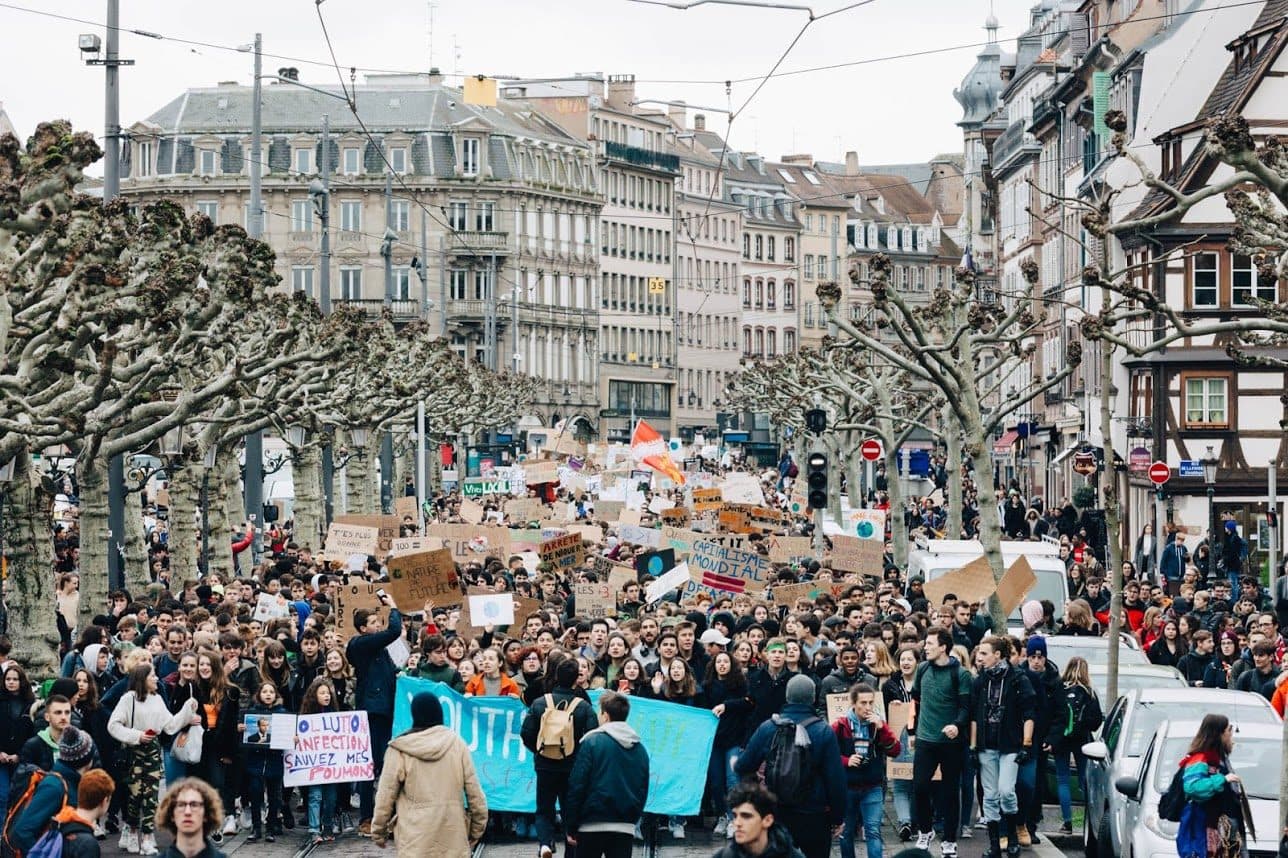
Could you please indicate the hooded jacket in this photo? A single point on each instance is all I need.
(780, 846)
(1010, 691)
(59, 786)
(78, 835)
(430, 793)
(609, 782)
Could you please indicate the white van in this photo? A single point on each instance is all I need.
(935, 557)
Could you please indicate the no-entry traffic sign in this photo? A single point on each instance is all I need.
(1159, 473)
(870, 450)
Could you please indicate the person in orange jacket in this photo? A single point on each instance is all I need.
(1280, 698)
(490, 681)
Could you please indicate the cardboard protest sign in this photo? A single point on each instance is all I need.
(650, 537)
(621, 575)
(329, 748)
(730, 569)
(742, 488)
(1016, 584)
(344, 540)
(677, 576)
(971, 583)
(477, 487)
(852, 554)
(900, 768)
(629, 517)
(469, 542)
(866, 523)
(676, 516)
(838, 704)
(417, 578)
(654, 563)
(471, 512)
(270, 607)
(784, 549)
(592, 533)
(536, 473)
(609, 510)
(729, 540)
(704, 499)
(566, 444)
(594, 599)
(734, 521)
(405, 508)
(387, 525)
(478, 612)
(658, 503)
(351, 598)
(412, 544)
(680, 540)
(790, 594)
(563, 552)
(524, 509)
(766, 519)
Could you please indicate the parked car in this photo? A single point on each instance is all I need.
(1125, 737)
(1255, 759)
(1132, 677)
(1061, 648)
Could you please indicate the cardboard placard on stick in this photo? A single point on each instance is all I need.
(563, 552)
(609, 510)
(838, 704)
(1016, 584)
(417, 578)
(387, 525)
(971, 583)
(411, 544)
(471, 511)
(345, 540)
(595, 599)
(405, 508)
(524, 509)
(785, 549)
(472, 543)
(536, 473)
(900, 768)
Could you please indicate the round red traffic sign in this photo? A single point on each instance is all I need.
(870, 450)
(1159, 473)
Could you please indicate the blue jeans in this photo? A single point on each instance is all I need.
(998, 773)
(968, 790)
(6, 778)
(863, 808)
(174, 769)
(321, 809)
(1026, 791)
(1062, 780)
(720, 778)
(902, 791)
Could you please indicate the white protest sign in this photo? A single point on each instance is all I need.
(270, 607)
(674, 577)
(649, 536)
(329, 748)
(493, 610)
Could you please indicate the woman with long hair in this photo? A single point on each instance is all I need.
(16, 726)
(181, 686)
(1077, 714)
(67, 597)
(1170, 646)
(138, 720)
(726, 690)
(274, 667)
(677, 684)
(320, 696)
(1217, 674)
(616, 652)
(429, 796)
(878, 661)
(341, 677)
(92, 716)
(1078, 620)
(631, 679)
(221, 744)
(1212, 824)
(1151, 627)
(744, 652)
(898, 689)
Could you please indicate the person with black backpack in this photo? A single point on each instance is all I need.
(554, 746)
(1077, 716)
(802, 767)
(44, 794)
(938, 724)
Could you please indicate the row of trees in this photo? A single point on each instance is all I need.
(120, 327)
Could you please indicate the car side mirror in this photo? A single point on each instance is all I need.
(1128, 785)
(1096, 750)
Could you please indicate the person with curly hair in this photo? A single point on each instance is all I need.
(191, 812)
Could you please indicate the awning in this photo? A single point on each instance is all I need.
(1066, 454)
(1006, 442)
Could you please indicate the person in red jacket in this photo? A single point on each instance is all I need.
(865, 741)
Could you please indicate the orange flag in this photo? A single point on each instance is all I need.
(648, 446)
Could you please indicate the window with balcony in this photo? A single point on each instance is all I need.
(1206, 401)
(351, 216)
(400, 216)
(470, 156)
(458, 214)
(352, 161)
(484, 217)
(350, 283)
(302, 216)
(210, 209)
(1204, 279)
(302, 279)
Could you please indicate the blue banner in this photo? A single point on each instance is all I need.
(678, 740)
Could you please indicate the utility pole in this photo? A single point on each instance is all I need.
(421, 474)
(324, 214)
(1273, 508)
(387, 246)
(253, 480)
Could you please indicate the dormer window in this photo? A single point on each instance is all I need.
(906, 243)
(873, 239)
(892, 238)
(302, 161)
(398, 160)
(470, 157)
(145, 159)
(352, 161)
(208, 163)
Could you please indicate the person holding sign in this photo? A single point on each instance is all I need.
(375, 676)
(865, 742)
(429, 790)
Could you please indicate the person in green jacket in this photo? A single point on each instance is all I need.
(435, 665)
(939, 722)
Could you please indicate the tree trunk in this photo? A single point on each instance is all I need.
(306, 468)
(30, 586)
(990, 532)
(1112, 504)
(95, 541)
(138, 573)
(225, 481)
(953, 492)
(234, 499)
(185, 528)
(894, 491)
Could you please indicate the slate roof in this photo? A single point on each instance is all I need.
(1230, 93)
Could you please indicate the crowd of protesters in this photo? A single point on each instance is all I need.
(986, 710)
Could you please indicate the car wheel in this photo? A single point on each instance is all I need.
(1090, 845)
(1104, 837)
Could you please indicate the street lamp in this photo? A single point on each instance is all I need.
(359, 438)
(1209, 477)
(295, 437)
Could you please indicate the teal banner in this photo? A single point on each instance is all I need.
(678, 740)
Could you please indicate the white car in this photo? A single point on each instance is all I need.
(1129, 726)
(1256, 760)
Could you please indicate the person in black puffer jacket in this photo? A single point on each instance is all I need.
(730, 699)
(16, 727)
(1076, 715)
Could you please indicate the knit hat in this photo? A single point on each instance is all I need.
(1031, 612)
(75, 748)
(1035, 646)
(1231, 525)
(800, 689)
(426, 711)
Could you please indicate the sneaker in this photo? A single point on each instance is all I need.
(245, 818)
(100, 833)
(722, 825)
(254, 837)
(967, 833)
(230, 826)
(677, 830)
(129, 840)
(316, 838)
(924, 839)
(1066, 828)
(948, 849)
(217, 838)
(905, 832)
(546, 852)
(270, 838)
(639, 835)
(148, 845)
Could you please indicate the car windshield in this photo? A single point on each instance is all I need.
(1094, 650)
(1148, 715)
(1133, 682)
(1256, 761)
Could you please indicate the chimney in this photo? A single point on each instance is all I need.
(679, 115)
(621, 91)
(802, 160)
(851, 163)
(435, 76)
(699, 122)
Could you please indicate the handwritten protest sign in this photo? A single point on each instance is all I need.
(590, 532)
(417, 578)
(405, 508)
(353, 597)
(865, 523)
(387, 525)
(654, 562)
(563, 552)
(742, 488)
(852, 554)
(469, 542)
(766, 519)
(411, 544)
(344, 540)
(523, 509)
(706, 499)
(729, 540)
(838, 704)
(900, 768)
(595, 599)
(633, 533)
(471, 512)
(329, 748)
(490, 726)
(269, 607)
(676, 516)
(729, 569)
(536, 473)
(491, 609)
(1015, 584)
(784, 549)
(971, 583)
(734, 521)
(680, 540)
(609, 510)
(677, 576)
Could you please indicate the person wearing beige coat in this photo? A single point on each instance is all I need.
(429, 795)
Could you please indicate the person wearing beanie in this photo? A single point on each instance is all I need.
(59, 787)
(1048, 693)
(553, 768)
(76, 822)
(1217, 674)
(1031, 613)
(815, 816)
(429, 791)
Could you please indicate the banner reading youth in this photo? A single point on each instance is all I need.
(677, 738)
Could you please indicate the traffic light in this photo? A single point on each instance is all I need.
(816, 421)
(816, 480)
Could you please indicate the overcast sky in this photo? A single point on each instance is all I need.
(892, 110)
